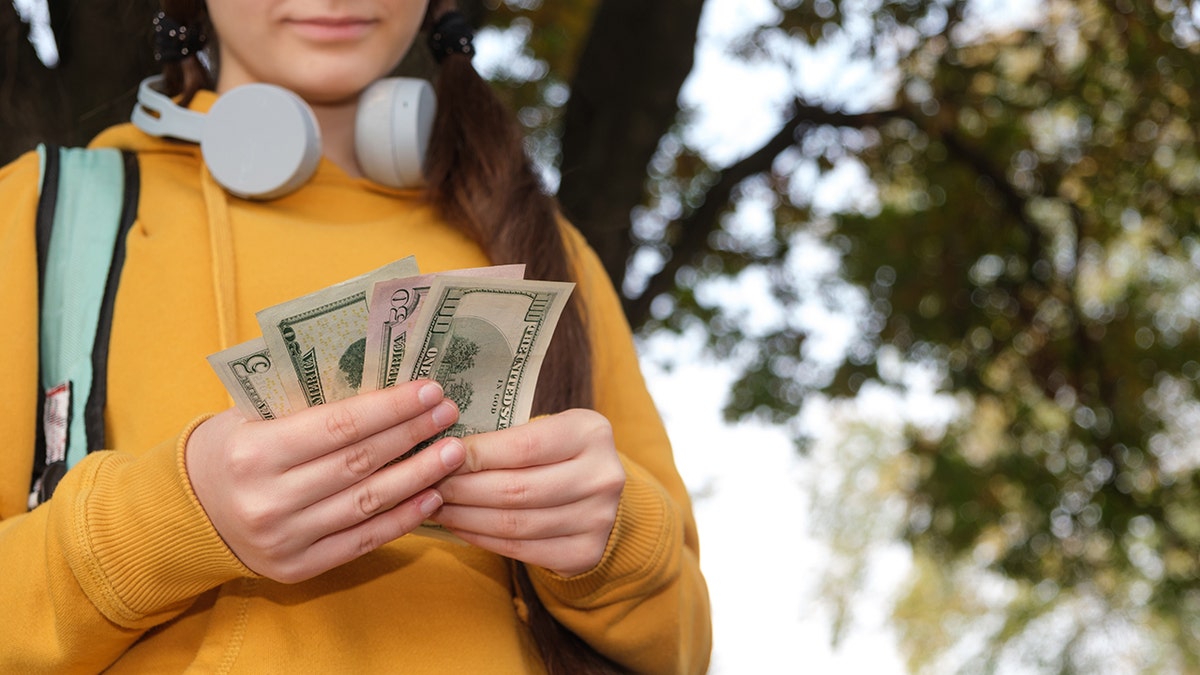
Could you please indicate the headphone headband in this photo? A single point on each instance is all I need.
(261, 141)
(157, 115)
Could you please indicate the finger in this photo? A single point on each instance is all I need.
(565, 556)
(313, 432)
(335, 471)
(561, 521)
(348, 544)
(384, 489)
(544, 440)
(530, 488)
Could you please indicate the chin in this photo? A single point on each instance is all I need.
(333, 77)
(330, 91)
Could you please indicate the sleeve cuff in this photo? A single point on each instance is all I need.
(145, 545)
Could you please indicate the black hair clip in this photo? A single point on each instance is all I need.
(174, 41)
(450, 34)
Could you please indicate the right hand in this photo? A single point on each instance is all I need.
(298, 496)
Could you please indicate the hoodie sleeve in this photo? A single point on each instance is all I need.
(645, 605)
(123, 545)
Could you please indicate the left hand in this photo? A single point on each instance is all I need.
(544, 493)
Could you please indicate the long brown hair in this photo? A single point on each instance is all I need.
(481, 180)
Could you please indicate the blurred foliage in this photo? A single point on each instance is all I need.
(1032, 240)
(537, 84)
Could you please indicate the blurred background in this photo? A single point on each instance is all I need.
(915, 284)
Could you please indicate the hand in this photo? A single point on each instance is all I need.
(295, 497)
(544, 493)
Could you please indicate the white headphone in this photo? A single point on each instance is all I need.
(261, 141)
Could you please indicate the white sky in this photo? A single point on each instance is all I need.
(37, 15)
(758, 556)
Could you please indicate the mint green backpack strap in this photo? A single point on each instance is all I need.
(88, 201)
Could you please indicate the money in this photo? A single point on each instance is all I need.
(319, 340)
(249, 375)
(394, 307)
(484, 341)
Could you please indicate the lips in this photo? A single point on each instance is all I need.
(331, 29)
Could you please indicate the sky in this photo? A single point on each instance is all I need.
(761, 561)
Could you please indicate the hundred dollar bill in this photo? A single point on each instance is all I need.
(394, 307)
(249, 375)
(319, 339)
(484, 341)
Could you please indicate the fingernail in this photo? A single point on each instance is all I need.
(445, 414)
(453, 453)
(430, 393)
(429, 503)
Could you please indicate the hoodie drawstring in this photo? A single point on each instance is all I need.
(220, 242)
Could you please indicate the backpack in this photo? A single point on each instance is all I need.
(87, 203)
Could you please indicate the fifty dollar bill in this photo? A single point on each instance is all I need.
(394, 308)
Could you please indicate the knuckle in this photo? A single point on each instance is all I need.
(527, 446)
(614, 481)
(509, 524)
(343, 425)
(598, 429)
(415, 433)
(359, 461)
(431, 467)
(402, 407)
(258, 516)
(368, 540)
(367, 502)
(289, 572)
(599, 525)
(510, 548)
(243, 461)
(514, 492)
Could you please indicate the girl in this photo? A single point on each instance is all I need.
(202, 541)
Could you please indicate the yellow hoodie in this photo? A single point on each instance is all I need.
(122, 570)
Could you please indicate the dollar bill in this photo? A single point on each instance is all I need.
(484, 341)
(249, 375)
(394, 307)
(319, 340)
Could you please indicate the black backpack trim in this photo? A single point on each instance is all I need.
(46, 477)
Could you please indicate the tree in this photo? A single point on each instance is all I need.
(1026, 233)
(1032, 241)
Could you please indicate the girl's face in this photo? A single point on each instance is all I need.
(327, 51)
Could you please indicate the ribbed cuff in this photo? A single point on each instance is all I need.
(147, 545)
(646, 537)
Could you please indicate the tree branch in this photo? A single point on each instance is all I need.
(697, 225)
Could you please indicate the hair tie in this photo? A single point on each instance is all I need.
(451, 33)
(174, 41)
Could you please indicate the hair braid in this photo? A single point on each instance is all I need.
(480, 178)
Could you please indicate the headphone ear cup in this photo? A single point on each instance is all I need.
(261, 141)
(391, 135)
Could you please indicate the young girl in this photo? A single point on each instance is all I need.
(204, 542)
